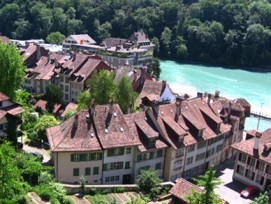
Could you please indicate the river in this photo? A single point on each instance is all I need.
(255, 87)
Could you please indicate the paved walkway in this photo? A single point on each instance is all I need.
(230, 189)
(45, 154)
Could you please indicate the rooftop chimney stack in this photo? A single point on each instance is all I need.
(257, 141)
(209, 99)
(199, 95)
(155, 108)
(141, 108)
(164, 84)
(129, 108)
(111, 106)
(75, 123)
(217, 94)
(178, 111)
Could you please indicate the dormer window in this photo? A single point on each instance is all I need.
(200, 133)
(180, 141)
(152, 142)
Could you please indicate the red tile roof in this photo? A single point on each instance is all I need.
(263, 152)
(42, 104)
(118, 133)
(183, 188)
(69, 107)
(2, 114)
(4, 39)
(72, 136)
(14, 109)
(3, 97)
(83, 39)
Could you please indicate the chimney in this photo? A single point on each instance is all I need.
(199, 95)
(38, 52)
(74, 57)
(164, 84)
(110, 106)
(178, 111)
(257, 141)
(91, 111)
(75, 123)
(143, 74)
(155, 108)
(217, 94)
(209, 99)
(48, 59)
(141, 108)
(129, 108)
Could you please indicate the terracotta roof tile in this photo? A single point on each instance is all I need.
(83, 38)
(42, 104)
(14, 109)
(71, 137)
(2, 114)
(263, 152)
(118, 133)
(3, 97)
(70, 107)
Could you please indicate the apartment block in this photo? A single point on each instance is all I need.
(253, 160)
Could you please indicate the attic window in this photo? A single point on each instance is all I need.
(162, 113)
(92, 134)
(200, 133)
(121, 129)
(106, 130)
(171, 110)
(195, 105)
(115, 114)
(146, 118)
(152, 142)
(186, 107)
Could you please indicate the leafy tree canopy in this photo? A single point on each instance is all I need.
(11, 69)
(55, 38)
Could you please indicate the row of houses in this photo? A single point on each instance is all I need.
(135, 51)
(177, 140)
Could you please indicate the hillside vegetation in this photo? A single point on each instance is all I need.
(227, 32)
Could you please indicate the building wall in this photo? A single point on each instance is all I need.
(126, 157)
(150, 163)
(250, 173)
(6, 103)
(64, 169)
(167, 95)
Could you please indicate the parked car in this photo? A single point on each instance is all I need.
(249, 191)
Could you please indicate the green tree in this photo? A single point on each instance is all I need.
(148, 181)
(155, 68)
(12, 185)
(83, 100)
(125, 94)
(209, 182)
(53, 95)
(22, 97)
(43, 123)
(166, 40)
(262, 199)
(101, 86)
(181, 49)
(55, 38)
(11, 69)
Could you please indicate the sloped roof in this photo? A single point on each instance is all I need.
(70, 107)
(3, 97)
(83, 38)
(42, 104)
(264, 147)
(74, 136)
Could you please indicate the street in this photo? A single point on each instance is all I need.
(230, 189)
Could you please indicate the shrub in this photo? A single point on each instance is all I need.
(119, 190)
(45, 193)
(54, 201)
(93, 191)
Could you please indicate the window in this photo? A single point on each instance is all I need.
(76, 172)
(178, 164)
(242, 158)
(268, 169)
(240, 170)
(191, 148)
(151, 155)
(117, 178)
(250, 174)
(66, 96)
(127, 165)
(200, 156)
(75, 158)
(158, 166)
(66, 88)
(179, 152)
(115, 152)
(96, 156)
(159, 153)
(106, 179)
(96, 170)
(219, 147)
(260, 165)
(1, 127)
(201, 145)
(113, 166)
(259, 179)
(251, 161)
(152, 142)
(112, 178)
(87, 171)
(189, 160)
(128, 150)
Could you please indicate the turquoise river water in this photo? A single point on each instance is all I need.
(232, 83)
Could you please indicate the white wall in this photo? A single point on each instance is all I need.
(167, 95)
